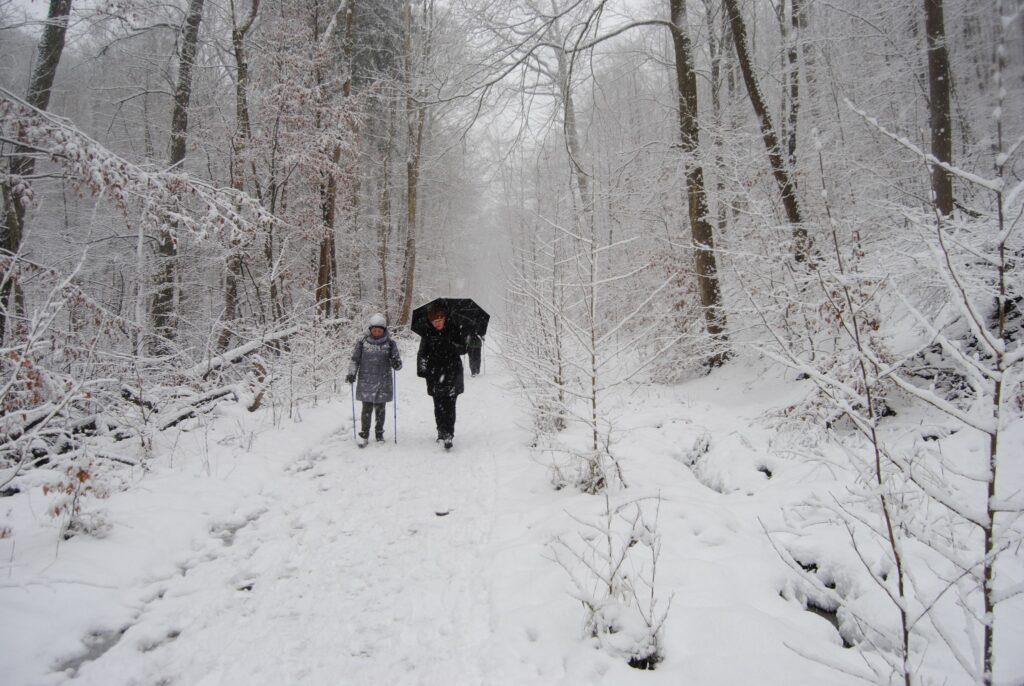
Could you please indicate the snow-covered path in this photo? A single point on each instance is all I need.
(356, 577)
(280, 555)
(265, 551)
(355, 566)
(286, 555)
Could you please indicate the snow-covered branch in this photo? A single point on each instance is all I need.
(174, 201)
(994, 185)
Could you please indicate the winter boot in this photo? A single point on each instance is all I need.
(379, 437)
(448, 442)
(364, 438)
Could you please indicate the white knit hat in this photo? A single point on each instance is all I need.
(378, 320)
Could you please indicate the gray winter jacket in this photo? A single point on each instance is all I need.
(372, 362)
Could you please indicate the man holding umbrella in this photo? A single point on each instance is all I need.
(444, 325)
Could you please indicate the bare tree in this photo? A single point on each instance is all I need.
(242, 138)
(162, 308)
(696, 195)
(22, 164)
(783, 175)
(797, 17)
(327, 267)
(418, 115)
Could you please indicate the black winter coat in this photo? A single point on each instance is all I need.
(439, 361)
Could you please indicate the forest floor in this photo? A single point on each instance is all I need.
(261, 550)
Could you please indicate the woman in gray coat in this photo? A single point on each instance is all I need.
(373, 358)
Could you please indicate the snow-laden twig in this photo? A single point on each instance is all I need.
(995, 185)
(618, 592)
(173, 201)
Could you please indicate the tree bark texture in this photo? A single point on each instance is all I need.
(326, 265)
(783, 175)
(417, 117)
(164, 325)
(22, 164)
(718, 49)
(412, 172)
(243, 136)
(793, 75)
(696, 195)
(384, 221)
(351, 177)
(327, 261)
(939, 87)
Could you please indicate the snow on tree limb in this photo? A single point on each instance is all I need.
(332, 26)
(994, 185)
(175, 201)
(235, 354)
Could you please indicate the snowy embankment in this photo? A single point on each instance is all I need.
(253, 554)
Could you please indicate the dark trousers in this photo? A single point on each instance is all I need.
(368, 410)
(444, 415)
(474, 360)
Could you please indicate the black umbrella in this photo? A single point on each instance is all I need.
(463, 313)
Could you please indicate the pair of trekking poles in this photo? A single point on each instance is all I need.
(394, 386)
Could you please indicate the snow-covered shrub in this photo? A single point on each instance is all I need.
(54, 381)
(71, 496)
(932, 519)
(574, 331)
(613, 564)
(674, 345)
(312, 368)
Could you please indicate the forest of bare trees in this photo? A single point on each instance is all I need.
(199, 196)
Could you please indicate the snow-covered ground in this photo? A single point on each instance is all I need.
(252, 554)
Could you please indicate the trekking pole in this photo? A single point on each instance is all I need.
(394, 385)
(353, 387)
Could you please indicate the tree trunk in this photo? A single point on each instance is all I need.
(700, 227)
(801, 20)
(793, 71)
(327, 264)
(164, 325)
(328, 194)
(384, 227)
(409, 266)
(274, 191)
(595, 480)
(351, 176)
(783, 175)
(718, 47)
(51, 47)
(939, 87)
(22, 165)
(572, 142)
(417, 114)
(412, 172)
(243, 135)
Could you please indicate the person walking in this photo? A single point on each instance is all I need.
(474, 346)
(373, 358)
(439, 361)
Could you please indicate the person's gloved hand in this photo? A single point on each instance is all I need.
(351, 378)
(396, 365)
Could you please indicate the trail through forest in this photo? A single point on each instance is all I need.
(273, 551)
(353, 566)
